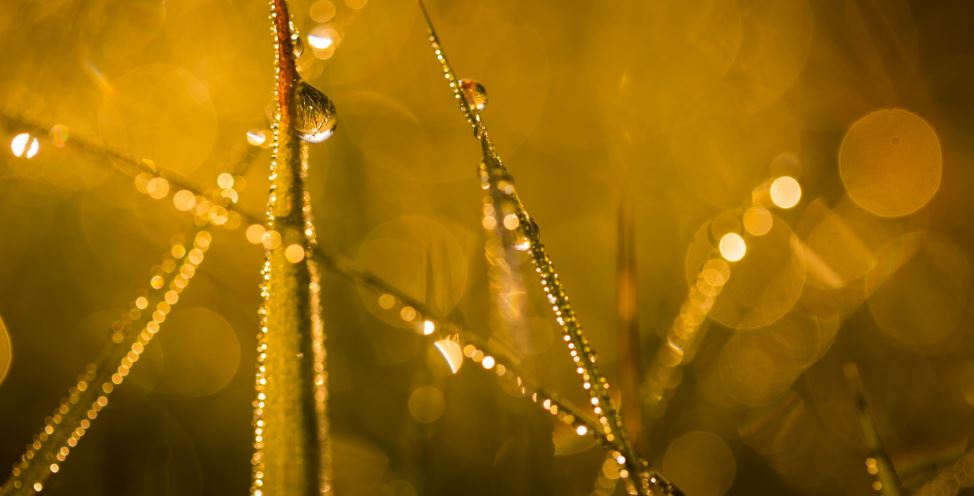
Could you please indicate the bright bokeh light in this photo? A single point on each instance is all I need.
(488, 362)
(732, 247)
(24, 145)
(786, 192)
(428, 327)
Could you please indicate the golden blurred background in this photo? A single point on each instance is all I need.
(799, 175)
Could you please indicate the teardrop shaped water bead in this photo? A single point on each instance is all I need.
(297, 46)
(315, 117)
(474, 93)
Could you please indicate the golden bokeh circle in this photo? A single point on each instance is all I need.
(700, 463)
(757, 221)
(890, 162)
(202, 352)
(426, 404)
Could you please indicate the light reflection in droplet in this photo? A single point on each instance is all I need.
(256, 137)
(451, 352)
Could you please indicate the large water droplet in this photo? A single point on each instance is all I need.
(315, 117)
(474, 93)
(297, 46)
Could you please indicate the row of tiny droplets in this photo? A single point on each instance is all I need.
(578, 346)
(446, 335)
(684, 335)
(409, 311)
(67, 425)
(260, 377)
(317, 323)
(301, 254)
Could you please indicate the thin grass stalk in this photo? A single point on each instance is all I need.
(645, 479)
(878, 463)
(291, 442)
(76, 412)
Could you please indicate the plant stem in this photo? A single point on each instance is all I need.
(291, 443)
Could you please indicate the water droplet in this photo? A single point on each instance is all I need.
(474, 93)
(314, 115)
(297, 46)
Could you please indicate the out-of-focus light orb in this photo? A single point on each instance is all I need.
(294, 253)
(890, 162)
(356, 4)
(386, 301)
(225, 180)
(757, 221)
(732, 247)
(201, 350)
(428, 327)
(407, 313)
(785, 192)
(581, 430)
(451, 352)
(184, 200)
(426, 404)
(488, 362)
(6, 351)
(322, 11)
(255, 233)
(256, 137)
(700, 463)
(24, 145)
(157, 188)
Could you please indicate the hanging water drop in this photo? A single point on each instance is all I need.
(297, 46)
(474, 93)
(315, 117)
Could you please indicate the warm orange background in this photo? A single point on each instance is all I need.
(685, 109)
